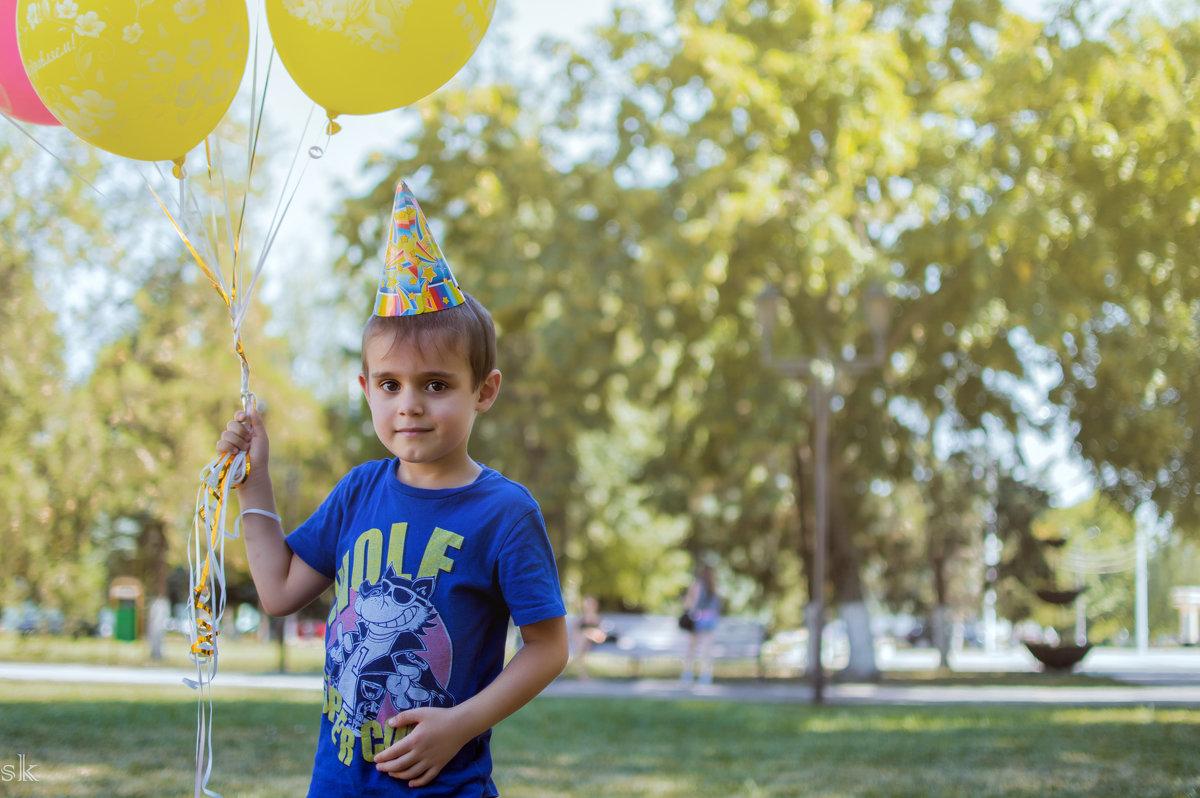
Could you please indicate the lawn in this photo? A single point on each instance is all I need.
(116, 741)
(236, 654)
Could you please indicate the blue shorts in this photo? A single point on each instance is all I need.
(705, 621)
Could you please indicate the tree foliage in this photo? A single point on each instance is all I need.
(116, 393)
(47, 447)
(822, 147)
(1018, 187)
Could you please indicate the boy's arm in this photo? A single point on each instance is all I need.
(285, 583)
(438, 734)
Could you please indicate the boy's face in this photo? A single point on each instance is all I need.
(423, 405)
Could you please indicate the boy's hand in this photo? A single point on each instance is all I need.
(247, 433)
(432, 742)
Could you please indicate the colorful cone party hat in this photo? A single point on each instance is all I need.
(416, 277)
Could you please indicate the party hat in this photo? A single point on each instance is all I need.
(416, 277)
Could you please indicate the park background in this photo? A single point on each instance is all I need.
(1020, 187)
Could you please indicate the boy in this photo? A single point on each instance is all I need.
(429, 552)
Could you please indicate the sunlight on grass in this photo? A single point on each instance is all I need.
(138, 741)
(720, 749)
(244, 654)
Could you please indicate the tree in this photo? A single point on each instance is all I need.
(1060, 213)
(47, 436)
(767, 162)
(117, 396)
(819, 146)
(165, 392)
(1023, 568)
(663, 175)
(955, 497)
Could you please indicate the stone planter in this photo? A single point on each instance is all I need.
(1060, 657)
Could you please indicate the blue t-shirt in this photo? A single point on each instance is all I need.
(425, 581)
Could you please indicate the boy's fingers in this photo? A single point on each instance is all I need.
(425, 778)
(236, 435)
(254, 423)
(409, 717)
(395, 760)
(235, 438)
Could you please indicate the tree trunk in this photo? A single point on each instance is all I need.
(804, 536)
(154, 547)
(847, 585)
(156, 625)
(941, 640)
(862, 641)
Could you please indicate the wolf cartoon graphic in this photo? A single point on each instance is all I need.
(379, 661)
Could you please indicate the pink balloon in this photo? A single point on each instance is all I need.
(17, 97)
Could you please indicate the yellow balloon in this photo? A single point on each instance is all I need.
(366, 56)
(145, 79)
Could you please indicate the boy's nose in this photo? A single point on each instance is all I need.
(409, 404)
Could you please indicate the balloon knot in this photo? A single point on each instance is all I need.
(333, 126)
(177, 170)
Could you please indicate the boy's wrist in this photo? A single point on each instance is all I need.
(257, 475)
(257, 492)
(470, 720)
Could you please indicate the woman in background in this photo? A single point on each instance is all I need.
(703, 605)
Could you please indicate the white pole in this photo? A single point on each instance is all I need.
(1142, 603)
(989, 621)
(1081, 620)
(816, 631)
(992, 549)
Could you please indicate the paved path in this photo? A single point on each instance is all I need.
(1161, 677)
(149, 676)
(781, 692)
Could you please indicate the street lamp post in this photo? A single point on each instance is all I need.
(821, 373)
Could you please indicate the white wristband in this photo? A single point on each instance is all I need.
(253, 511)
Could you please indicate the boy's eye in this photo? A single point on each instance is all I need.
(389, 385)
(437, 386)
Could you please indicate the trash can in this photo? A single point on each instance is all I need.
(126, 626)
(126, 594)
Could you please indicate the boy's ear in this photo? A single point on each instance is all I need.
(489, 389)
(362, 383)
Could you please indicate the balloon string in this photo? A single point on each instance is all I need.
(46, 150)
(212, 501)
(213, 277)
(288, 195)
(207, 591)
(234, 238)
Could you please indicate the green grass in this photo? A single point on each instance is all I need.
(137, 742)
(244, 654)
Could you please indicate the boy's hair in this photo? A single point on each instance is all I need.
(466, 328)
